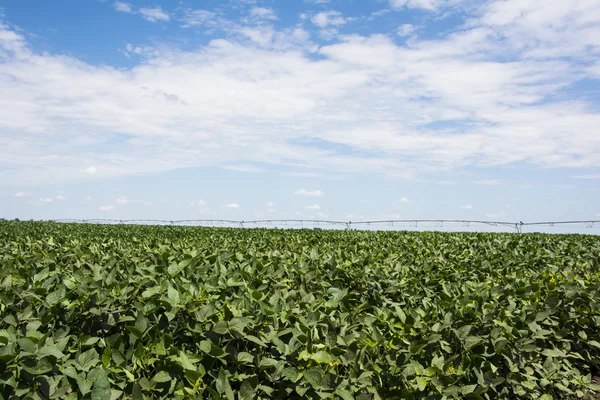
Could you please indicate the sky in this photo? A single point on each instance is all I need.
(300, 109)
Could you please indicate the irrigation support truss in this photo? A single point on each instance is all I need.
(412, 223)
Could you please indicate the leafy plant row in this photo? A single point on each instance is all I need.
(143, 312)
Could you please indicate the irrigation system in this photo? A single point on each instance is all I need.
(316, 223)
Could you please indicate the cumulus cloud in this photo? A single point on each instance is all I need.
(45, 200)
(123, 7)
(313, 207)
(266, 95)
(489, 182)
(106, 208)
(90, 170)
(311, 193)
(405, 30)
(231, 205)
(154, 14)
(327, 18)
(424, 4)
(263, 13)
(122, 200)
(405, 200)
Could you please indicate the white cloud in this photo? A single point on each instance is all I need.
(270, 204)
(231, 205)
(503, 98)
(90, 170)
(60, 197)
(405, 200)
(259, 214)
(425, 4)
(22, 194)
(405, 30)
(312, 193)
(270, 210)
(204, 18)
(299, 214)
(123, 7)
(263, 13)
(45, 200)
(322, 215)
(197, 203)
(313, 207)
(394, 215)
(154, 14)
(106, 208)
(467, 207)
(147, 203)
(489, 182)
(122, 200)
(525, 186)
(327, 18)
(586, 176)
(88, 197)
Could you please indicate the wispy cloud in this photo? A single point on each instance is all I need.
(197, 203)
(586, 176)
(148, 203)
(312, 193)
(154, 14)
(122, 200)
(503, 98)
(489, 182)
(328, 18)
(45, 200)
(232, 205)
(106, 207)
(22, 194)
(313, 207)
(263, 13)
(405, 200)
(405, 30)
(123, 7)
(270, 204)
(90, 170)
(60, 197)
(467, 207)
(525, 186)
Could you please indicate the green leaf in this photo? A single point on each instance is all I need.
(161, 377)
(220, 327)
(56, 296)
(173, 295)
(88, 359)
(101, 389)
(223, 386)
(554, 353)
(245, 358)
(322, 357)
(50, 350)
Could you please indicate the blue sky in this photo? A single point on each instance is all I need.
(346, 110)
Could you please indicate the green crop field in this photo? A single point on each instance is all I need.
(100, 312)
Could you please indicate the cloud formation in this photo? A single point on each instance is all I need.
(310, 193)
(492, 91)
(154, 14)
